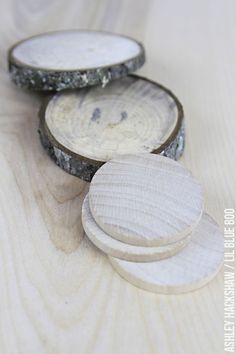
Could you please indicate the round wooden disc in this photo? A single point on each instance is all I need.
(71, 59)
(145, 200)
(121, 250)
(91, 126)
(188, 270)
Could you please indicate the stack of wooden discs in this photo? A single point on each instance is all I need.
(107, 112)
(145, 212)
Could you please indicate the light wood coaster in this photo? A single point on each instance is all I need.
(83, 129)
(72, 59)
(188, 270)
(115, 248)
(145, 200)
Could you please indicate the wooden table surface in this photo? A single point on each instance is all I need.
(59, 295)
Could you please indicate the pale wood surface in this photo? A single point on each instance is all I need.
(58, 294)
(188, 270)
(145, 199)
(74, 50)
(121, 250)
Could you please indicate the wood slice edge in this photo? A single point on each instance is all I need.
(168, 289)
(118, 249)
(37, 79)
(85, 168)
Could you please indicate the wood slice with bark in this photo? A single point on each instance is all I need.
(83, 129)
(73, 59)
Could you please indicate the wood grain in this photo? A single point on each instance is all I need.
(57, 294)
(115, 248)
(145, 199)
(188, 270)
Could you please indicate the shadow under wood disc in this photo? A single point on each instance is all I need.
(73, 59)
(83, 129)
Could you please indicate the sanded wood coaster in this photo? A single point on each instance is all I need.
(83, 129)
(145, 200)
(73, 59)
(121, 250)
(188, 270)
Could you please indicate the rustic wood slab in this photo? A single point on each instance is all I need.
(188, 270)
(71, 59)
(83, 129)
(115, 248)
(145, 199)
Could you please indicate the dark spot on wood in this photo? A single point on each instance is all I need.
(124, 115)
(96, 115)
